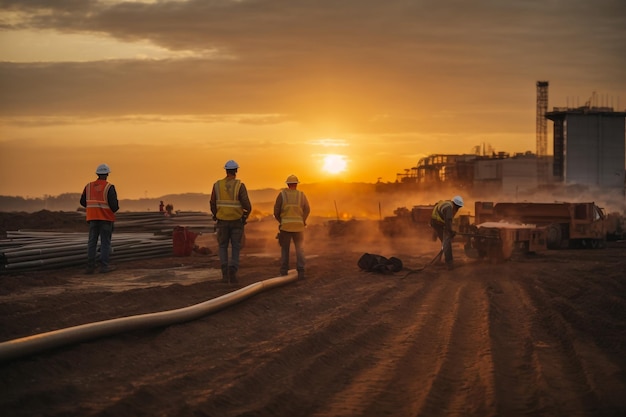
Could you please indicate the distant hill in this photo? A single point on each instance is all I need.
(340, 200)
(70, 202)
(334, 200)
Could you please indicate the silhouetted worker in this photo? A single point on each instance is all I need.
(100, 199)
(291, 209)
(230, 206)
(441, 220)
(161, 207)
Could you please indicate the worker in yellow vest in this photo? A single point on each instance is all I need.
(441, 220)
(291, 210)
(230, 206)
(99, 197)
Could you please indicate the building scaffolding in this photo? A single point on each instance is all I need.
(542, 122)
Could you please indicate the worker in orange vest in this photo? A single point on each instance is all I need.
(100, 199)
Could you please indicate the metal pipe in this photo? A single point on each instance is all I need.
(29, 345)
(40, 250)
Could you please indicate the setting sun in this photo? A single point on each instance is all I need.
(334, 164)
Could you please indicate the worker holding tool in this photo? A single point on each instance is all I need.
(99, 197)
(291, 209)
(230, 206)
(441, 221)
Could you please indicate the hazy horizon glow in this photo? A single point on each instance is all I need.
(167, 91)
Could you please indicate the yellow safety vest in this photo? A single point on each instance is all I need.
(226, 199)
(438, 210)
(291, 216)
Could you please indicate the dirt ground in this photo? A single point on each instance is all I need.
(540, 335)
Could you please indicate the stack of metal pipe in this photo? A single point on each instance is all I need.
(159, 223)
(48, 250)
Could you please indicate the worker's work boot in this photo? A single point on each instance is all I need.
(301, 274)
(91, 268)
(105, 269)
(232, 275)
(225, 274)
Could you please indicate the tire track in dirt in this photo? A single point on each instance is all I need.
(544, 365)
(566, 363)
(290, 359)
(340, 343)
(464, 383)
(507, 339)
(388, 371)
(389, 349)
(515, 357)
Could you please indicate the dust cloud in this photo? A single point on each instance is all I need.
(351, 214)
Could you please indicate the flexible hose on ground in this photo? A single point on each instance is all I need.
(29, 345)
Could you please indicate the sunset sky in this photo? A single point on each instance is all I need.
(166, 92)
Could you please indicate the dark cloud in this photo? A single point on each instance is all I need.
(320, 59)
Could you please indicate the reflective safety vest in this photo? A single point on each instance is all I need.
(97, 204)
(291, 215)
(226, 199)
(437, 213)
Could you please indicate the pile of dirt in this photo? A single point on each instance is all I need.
(540, 335)
(44, 220)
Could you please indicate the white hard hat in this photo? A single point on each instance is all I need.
(292, 179)
(458, 200)
(231, 165)
(103, 169)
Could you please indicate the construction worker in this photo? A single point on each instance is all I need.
(441, 220)
(100, 199)
(231, 207)
(291, 209)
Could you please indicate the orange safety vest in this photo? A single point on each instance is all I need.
(437, 213)
(97, 204)
(227, 199)
(291, 215)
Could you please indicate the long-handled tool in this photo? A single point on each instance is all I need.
(434, 260)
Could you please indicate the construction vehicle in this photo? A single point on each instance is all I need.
(499, 241)
(405, 221)
(581, 225)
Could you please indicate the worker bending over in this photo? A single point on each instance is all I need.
(441, 221)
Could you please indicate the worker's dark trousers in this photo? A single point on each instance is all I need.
(284, 239)
(446, 242)
(229, 232)
(99, 229)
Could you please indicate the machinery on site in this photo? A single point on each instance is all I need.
(499, 241)
(581, 225)
(502, 230)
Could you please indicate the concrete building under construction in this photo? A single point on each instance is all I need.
(486, 171)
(589, 146)
(589, 149)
